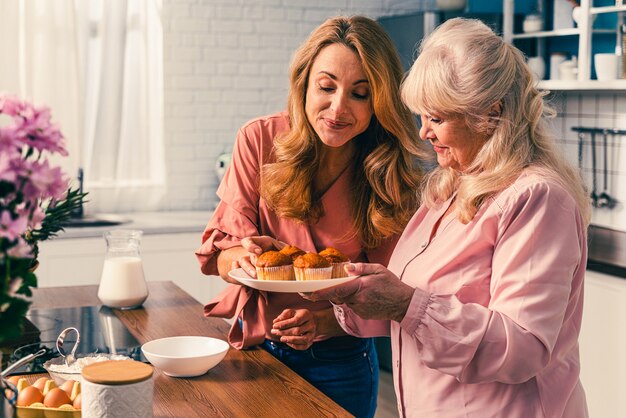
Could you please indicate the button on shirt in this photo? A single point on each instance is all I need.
(492, 328)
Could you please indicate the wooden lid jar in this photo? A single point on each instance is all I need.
(122, 388)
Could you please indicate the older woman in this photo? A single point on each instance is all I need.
(484, 292)
(338, 168)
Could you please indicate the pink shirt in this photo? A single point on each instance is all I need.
(242, 212)
(492, 329)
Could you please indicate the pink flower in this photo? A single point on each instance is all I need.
(12, 228)
(8, 139)
(44, 182)
(10, 105)
(21, 249)
(36, 218)
(35, 129)
(31, 127)
(30, 189)
(8, 164)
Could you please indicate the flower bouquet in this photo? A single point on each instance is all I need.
(35, 198)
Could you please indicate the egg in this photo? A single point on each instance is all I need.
(40, 383)
(14, 379)
(78, 401)
(67, 386)
(56, 397)
(28, 396)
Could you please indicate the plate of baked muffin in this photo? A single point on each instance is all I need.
(292, 270)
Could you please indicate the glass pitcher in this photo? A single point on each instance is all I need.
(123, 284)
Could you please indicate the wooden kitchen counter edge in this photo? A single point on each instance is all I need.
(246, 383)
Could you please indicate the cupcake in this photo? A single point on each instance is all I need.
(292, 251)
(274, 265)
(312, 266)
(337, 260)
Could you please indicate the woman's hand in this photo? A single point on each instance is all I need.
(377, 294)
(255, 246)
(245, 256)
(296, 327)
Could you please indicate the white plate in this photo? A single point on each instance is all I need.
(285, 286)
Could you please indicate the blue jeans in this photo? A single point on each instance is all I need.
(344, 368)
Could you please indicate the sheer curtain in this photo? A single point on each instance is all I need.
(98, 64)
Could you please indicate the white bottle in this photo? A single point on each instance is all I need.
(556, 59)
(538, 67)
(123, 283)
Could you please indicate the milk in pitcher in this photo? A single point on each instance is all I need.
(123, 284)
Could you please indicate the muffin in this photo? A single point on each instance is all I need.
(337, 260)
(292, 251)
(274, 265)
(312, 266)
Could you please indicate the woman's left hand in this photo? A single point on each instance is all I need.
(296, 328)
(376, 294)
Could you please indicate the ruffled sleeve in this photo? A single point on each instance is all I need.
(353, 324)
(236, 215)
(245, 303)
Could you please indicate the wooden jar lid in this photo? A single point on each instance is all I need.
(117, 372)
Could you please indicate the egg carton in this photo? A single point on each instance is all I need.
(35, 411)
(38, 409)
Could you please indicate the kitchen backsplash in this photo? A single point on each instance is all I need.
(600, 110)
(226, 61)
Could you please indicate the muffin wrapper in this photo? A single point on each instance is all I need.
(338, 270)
(322, 273)
(284, 273)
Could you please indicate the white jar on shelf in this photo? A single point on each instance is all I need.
(532, 23)
(568, 70)
(556, 58)
(538, 67)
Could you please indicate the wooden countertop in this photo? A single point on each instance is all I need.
(247, 383)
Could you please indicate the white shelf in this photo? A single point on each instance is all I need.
(606, 9)
(584, 31)
(557, 33)
(588, 85)
(547, 34)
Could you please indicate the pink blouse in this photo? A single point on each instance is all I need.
(242, 212)
(492, 329)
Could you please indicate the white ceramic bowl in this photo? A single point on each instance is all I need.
(186, 356)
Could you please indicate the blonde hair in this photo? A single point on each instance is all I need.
(386, 177)
(465, 70)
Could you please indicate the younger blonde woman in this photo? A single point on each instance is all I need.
(338, 168)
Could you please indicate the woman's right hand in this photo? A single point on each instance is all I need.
(245, 256)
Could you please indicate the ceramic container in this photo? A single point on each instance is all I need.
(537, 66)
(532, 23)
(606, 66)
(568, 70)
(117, 389)
(556, 58)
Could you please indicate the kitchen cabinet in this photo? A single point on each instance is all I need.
(166, 257)
(603, 345)
(587, 38)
